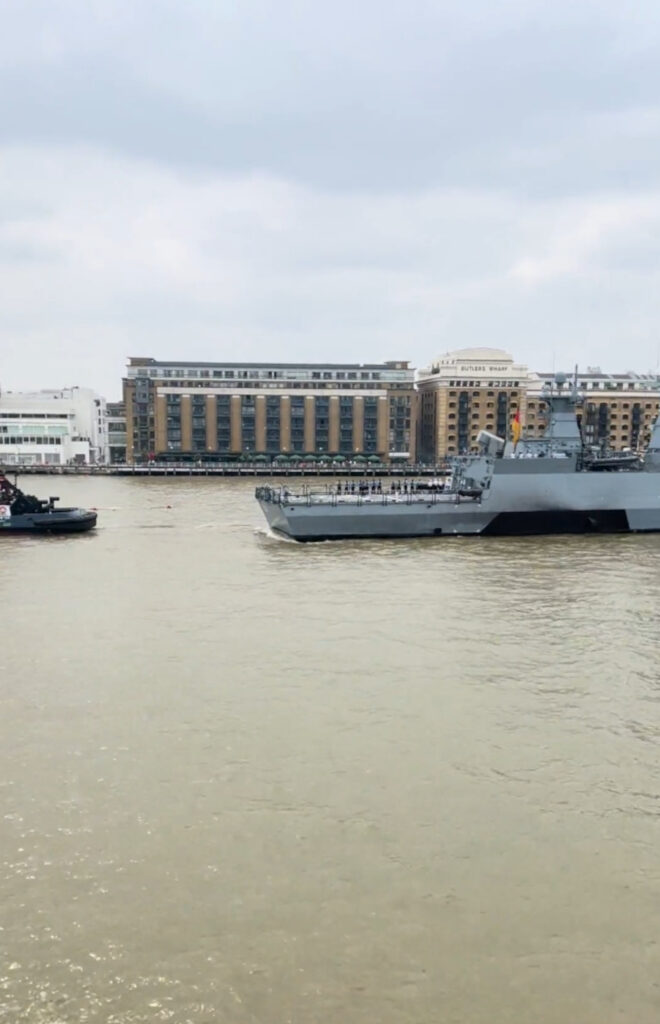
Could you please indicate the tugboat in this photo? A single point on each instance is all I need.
(23, 513)
(550, 484)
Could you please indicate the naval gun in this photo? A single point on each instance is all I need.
(490, 444)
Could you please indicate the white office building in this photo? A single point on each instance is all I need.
(56, 428)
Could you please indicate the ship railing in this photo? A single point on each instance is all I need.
(308, 498)
(442, 498)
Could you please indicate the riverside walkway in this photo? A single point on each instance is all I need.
(240, 469)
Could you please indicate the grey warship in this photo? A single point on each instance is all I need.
(551, 484)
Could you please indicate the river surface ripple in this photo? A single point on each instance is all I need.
(245, 780)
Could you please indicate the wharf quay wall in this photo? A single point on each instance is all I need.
(237, 470)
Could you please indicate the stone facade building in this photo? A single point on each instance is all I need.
(464, 392)
(216, 411)
(470, 390)
(616, 410)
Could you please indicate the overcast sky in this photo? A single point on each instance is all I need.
(361, 180)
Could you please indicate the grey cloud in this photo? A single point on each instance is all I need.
(27, 252)
(297, 180)
(373, 97)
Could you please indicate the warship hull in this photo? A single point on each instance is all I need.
(514, 505)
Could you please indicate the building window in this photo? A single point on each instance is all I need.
(223, 422)
(198, 408)
(248, 427)
(399, 423)
(273, 424)
(297, 423)
(463, 413)
(346, 446)
(173, 422)
(370, 439)
(502, 424)
(321, 424)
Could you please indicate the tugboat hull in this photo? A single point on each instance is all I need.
(24, 513)
(64, 520)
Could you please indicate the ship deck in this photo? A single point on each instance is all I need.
(283, 496)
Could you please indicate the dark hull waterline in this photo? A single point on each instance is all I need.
(531, 524)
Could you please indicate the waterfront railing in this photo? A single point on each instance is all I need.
(241, 468)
